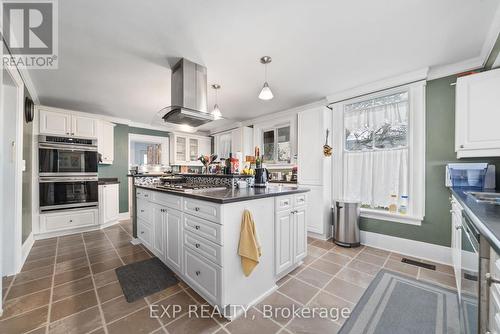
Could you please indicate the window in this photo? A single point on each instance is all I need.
(277, 145)
(380, 160)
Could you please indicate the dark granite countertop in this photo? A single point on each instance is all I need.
(228, 176)
(485, 216)
(108, 180)
(234, 195)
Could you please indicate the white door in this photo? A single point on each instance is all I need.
(83, 127)
(54, 123)
(173, 237)
(284, 241)
(477, 116)
(159, 223)
(111, 202)
(300, 234)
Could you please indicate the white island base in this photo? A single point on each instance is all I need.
(199, 241)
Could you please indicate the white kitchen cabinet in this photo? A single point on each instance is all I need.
(291, 234)
(456, 240)
(314, 169)
(185, 149)
(157, 239)
(108, 203)
(106, 142)
(82, 126)
(56, 122)
(173, 239)
(237, 140)
(476, 115)
(60, 221)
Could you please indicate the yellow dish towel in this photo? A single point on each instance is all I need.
(249, 248)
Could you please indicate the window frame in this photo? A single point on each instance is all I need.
(416, 153)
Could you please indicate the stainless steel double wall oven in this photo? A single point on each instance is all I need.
(67, 173)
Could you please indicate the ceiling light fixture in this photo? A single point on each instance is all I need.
(216, 112)
(265, 93)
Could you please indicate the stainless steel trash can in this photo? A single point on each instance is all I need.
(346, 223)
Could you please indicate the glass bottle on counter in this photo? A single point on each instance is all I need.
(393, 204)
(403, 207)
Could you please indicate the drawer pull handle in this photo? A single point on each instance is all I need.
(198, 273)
(285, 203)
(196, 209)
(71, 220)
(197, 245)
(142, 232)
(458, 227)
(197, 227)
(142, 210)
(490, 279)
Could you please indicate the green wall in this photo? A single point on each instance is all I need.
(27, 177)
(119, 168)
(440, 137)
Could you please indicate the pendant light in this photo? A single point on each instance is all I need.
(265, 93)
(216, 111)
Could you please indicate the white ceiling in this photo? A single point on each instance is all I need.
(114, 55)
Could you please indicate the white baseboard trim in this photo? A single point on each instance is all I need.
(114, 222)
(418, 249)
(317, 235)
(135, 241)
(27, 245)
(124, 216)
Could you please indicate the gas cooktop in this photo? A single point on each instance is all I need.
(190, 188)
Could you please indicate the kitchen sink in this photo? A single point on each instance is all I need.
(485, 197)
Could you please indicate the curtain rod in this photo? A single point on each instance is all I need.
(377, 91)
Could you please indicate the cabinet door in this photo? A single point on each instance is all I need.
(173, 237)
(205, 146)
(193, 149)
(83, 127)
(310, 135)
(54, 123)
(159, 223)
(180, 149)
(477, 118)
(111, 202)
(284, 241)
(106, 142)
(300, 234)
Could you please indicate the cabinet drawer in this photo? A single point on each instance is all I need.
(203, 275)
(203, 247)
(171, 201)
(300, 200)
(283, 203)
(68, 220)
(203, 228)
(202, 209)
(144, 233)
(143, 193)
(144, 211)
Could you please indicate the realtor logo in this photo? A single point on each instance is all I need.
(30, 31)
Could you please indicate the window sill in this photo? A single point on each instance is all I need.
(389, 216)
(279, 166)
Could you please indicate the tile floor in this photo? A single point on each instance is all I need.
(68, 285)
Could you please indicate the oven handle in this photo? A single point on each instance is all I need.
(66, 179)
(68, 147)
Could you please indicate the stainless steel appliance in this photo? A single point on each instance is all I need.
(190, 187)
(261, 177)
(346, 223)
(188, 95)
(61, 192)
(64, 156)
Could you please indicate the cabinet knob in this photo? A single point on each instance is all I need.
(458, 227)
(462, 146)
(197, 245)
(71, 220)
(490, 279)
(198, 273)
(197, 209)
(142, 232)
(197, 227)
(146, 195)
(142, 210)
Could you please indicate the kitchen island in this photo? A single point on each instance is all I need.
(197, 236)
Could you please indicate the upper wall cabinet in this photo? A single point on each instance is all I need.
(477, 116)
(66, 124)
(186, 149)
(237, 140)
(106, 142)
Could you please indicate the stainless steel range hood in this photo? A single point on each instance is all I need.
(189, 95)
